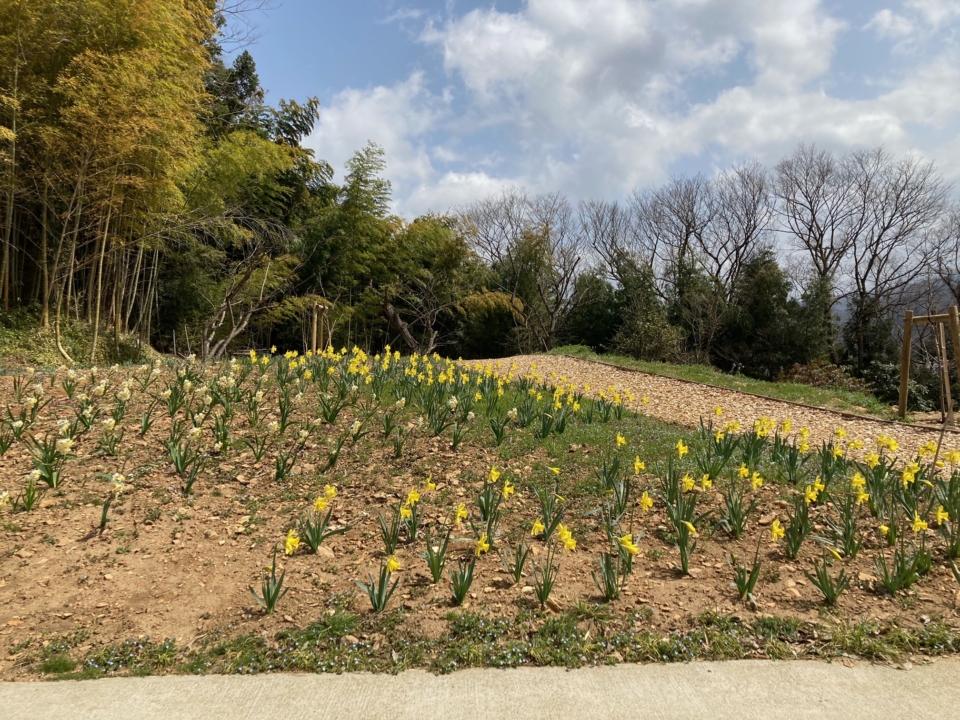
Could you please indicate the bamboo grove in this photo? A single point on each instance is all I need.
(103, 101)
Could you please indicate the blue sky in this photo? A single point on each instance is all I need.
(595, 98)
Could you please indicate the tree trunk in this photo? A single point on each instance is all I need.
(137, 268)
(397, 323)
(11, 191)
(44, 265)
(99, 273)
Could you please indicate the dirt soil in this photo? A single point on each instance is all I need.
(175, 566)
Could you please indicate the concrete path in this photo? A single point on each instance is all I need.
(718, 691)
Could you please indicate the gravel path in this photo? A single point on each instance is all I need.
(684, 402)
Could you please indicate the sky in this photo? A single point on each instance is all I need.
(596, 98)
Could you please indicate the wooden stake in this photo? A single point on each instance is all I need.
(954, 313)
(313, 334)
(905, 361)
(945, 373)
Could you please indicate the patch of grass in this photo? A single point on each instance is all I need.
(475, 640)
(135, 657)
(843, 400)
(24, 342)
(57, 665)
(875, 641)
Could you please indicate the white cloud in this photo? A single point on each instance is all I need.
(396, 117)
(936, 12)
(452, 190)
(404, 13)
(595, 97)
(887, 24)
(593, 88)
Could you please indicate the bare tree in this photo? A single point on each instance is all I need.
(536, 250)
(670, 223)
(607, 227)
(741, 220)
(944, 252)
(236, 21)
(904, 201)
(819, 207)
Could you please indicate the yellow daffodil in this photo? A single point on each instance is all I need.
(786, 426)
(818, 485)
(884, 530)
(405, 512)
(638, 466)
(840, 433)
(566, 537)
(706, 482)
(621, 441)
(690, 527)
(494, 474)
(743, 472)
(483, 545)
(885, 442)
(858, 480)
(718, 411)
(320, 503)
(810, 494)
(688, 482)
(292, 542)
(872, 459)
(508, 489)
(413, 497)
(537, 528)
(862, 497)
(329, 492)
(942, 516)
(554, 470)
(835, 554)
(429, 484)
(681, 449)
(776, 531)
(918, 524)
(626, 542)
(756, 481)
(838, 451)
(461, 514)
(646, 502)
(392, 564)
(929, 448)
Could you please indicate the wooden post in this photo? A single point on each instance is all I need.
(954, 313)
(325, 327)
(905, 361)
(945, 373)
(313, 333)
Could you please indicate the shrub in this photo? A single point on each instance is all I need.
(821, 373)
